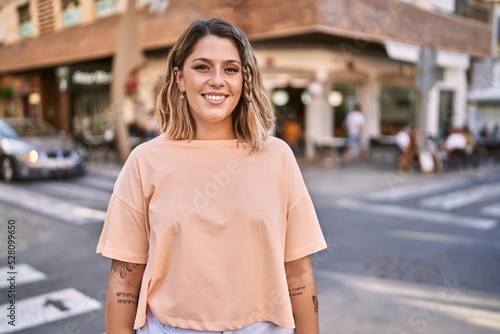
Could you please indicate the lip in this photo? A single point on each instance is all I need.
(215, 98)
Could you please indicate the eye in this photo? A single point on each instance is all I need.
(201, 67)
(232, 69)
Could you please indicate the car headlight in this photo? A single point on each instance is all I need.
(30, 157)
(5, 145)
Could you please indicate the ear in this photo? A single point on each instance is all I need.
(179, 78)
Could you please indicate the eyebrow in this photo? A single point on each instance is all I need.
(210, 61)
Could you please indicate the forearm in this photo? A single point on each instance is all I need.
(123, 296)
(303, 296)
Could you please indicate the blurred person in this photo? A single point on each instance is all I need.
(455, 141)
(495, 132)
(484, 134)
(469, 139)
(355, 122)
(210, 225)
(402, 138)
(293, 134)
(406, 145)
(456, 150)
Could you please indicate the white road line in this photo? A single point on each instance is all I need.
(456, 199)
(72, 189)
(103, 184)
(412, 214)
(50, 206)
(24, 274)
(415, 190)
(491, 210)
(46, 308)
(442, 238)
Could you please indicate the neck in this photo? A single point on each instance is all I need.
(214, 133)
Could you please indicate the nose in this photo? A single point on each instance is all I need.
(217, 80)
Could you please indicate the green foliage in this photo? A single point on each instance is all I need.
(6, 92)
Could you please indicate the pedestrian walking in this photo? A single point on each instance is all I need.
(354, 123)
(210, 225)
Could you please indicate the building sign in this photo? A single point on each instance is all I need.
(91, 78)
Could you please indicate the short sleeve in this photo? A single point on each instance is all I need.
(125, 233)
(303, 232)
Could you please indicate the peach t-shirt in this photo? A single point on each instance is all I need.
(214, 223)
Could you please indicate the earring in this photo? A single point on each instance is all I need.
(182, 95)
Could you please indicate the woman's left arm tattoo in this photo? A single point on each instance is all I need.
(316, 304)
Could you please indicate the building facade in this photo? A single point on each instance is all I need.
(405, 62)
(484, 92)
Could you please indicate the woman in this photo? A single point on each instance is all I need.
(210, 226)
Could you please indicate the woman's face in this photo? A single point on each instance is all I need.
(213, 81)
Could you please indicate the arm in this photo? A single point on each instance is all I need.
(123, 295)
(302, 289)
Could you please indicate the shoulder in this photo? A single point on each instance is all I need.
(276, 144)
(147, 148)
(144, 153)
(278, 153)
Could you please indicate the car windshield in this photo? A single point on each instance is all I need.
(27, 128)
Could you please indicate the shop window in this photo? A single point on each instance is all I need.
(446, 106)
(290, 117)
(106, 7)
(398, 109)
(25, 24)
(346, 103)
(71, 12)
(472, 9)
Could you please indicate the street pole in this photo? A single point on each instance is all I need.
(426, 79)
(128, 57)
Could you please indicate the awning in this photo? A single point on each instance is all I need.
(411, 53)
(485, 95)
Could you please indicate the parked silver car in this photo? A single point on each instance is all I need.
(33, 149)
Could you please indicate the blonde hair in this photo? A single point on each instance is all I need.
(252, 118)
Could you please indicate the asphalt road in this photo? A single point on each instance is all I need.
(407, 253)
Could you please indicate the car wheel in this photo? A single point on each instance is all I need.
(8, 171)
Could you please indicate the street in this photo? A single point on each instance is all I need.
(408, 253)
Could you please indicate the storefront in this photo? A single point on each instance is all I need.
(84, 94)
(20, 95)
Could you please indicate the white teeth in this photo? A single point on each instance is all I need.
(215, 97)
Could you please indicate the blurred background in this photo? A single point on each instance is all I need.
(429, 64)
(412, 228)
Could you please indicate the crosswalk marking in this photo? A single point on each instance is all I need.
(415, 190)
(24, 274)
(50, 206)
(46, 308)
(443, 238)
(71, 189)
(491, 210)
(411, 214)
(98, 183)
(456, 199)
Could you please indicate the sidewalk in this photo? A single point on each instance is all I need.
(356, 179)
(350, 180)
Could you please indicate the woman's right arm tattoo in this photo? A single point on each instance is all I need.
(123, 267)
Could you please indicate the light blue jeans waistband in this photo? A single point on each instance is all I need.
(154, 326)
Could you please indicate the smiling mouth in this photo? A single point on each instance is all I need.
(214, 98)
